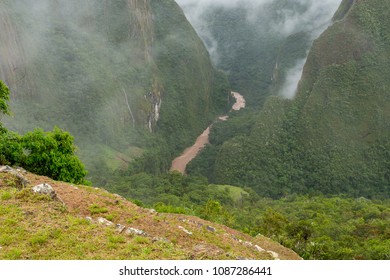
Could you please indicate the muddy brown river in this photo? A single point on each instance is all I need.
(180, 163)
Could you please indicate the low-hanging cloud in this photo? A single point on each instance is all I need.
(221, 3)
(297, 16)
(293, 77)
(314, 17)
(310, 16)
(196, 12)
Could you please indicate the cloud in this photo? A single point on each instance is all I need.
(312, 16)
(196, 12)
(292, 79)
(313, 20)
(293, 16)
(221, 3)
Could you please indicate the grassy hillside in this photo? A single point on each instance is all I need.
(333, 137)
(36, 226)
(121, 77)
(315, 226)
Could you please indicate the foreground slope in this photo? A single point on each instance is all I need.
(88, 223)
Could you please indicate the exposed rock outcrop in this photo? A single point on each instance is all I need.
(20, 181)
(45, 189)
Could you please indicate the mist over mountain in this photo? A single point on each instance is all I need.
(114, 74)
(333, 136)
(244, 38)
(305, 163)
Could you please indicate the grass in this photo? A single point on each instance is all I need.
(33, 227)
(37, 227)
(51, 234)
(6, 196)
(236, 193)
(97, 209)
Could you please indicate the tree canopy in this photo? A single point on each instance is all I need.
(44, 153)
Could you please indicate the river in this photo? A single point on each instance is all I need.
(180, 163)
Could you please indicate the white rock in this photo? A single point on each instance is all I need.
(134, 231)
(5, 168)
(120, 228)
(274, 255)
(105, 222)
(44, 189)
(119, 196)
(258, 248)
(209, 228)
(186, 231)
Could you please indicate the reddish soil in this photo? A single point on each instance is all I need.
(240, 101)
(180, 163)
(195, 237)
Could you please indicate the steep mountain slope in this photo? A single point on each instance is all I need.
(110, 73)
(334, 136)
(86, 223)
(257, 42)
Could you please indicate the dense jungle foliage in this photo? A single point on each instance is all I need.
(44, 153)
(333, 138)
(256, 44)
(109, 80)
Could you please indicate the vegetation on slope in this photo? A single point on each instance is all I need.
(45, 153)
(110, 74)
(82, 223)
(333, 137)
(252, 41)
(316, 227)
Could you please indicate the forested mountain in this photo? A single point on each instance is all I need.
(257, 42)
(306, 163)
(121, 76)
(333, 137)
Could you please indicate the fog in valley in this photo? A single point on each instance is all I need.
(288, 18)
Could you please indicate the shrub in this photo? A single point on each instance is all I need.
(52, 154)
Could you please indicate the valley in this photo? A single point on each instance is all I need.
(180, 163)
(112, 94)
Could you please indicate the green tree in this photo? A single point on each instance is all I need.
(4, 109)
(11, 150)
(45, 153)
(214, 211)
(52, 154)
(4, 97)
